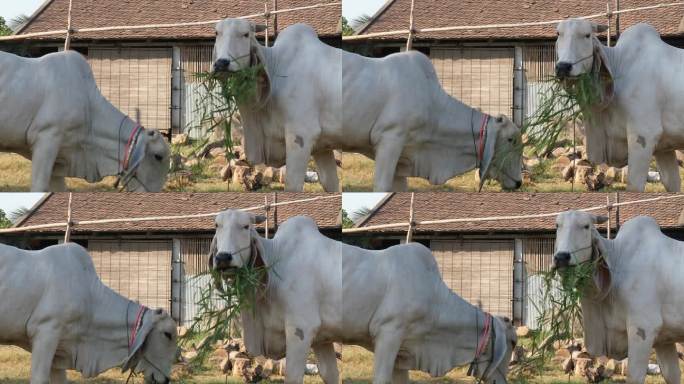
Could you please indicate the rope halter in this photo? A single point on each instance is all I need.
(482, 341)
(127, 171)
(482, 137)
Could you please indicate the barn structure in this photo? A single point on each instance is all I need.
(494, 262)
(153, 69)
(500, 70)
(160, 263)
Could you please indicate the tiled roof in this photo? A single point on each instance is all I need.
(439, 13)
(440, 206)
(105, 13)
(94, 206)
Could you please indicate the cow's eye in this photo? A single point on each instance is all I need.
(159, 157)
(586, 226)
(588, 35)
(246, 226)
(246, 35)
(168, 335)
(216, 33)
(510, 140)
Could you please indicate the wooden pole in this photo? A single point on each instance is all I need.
(617, 19)
(275, 19)
(266, 209)
(609, 207)
(609, 15)
(267, 16)
(67, 41)
(70, 223)
(412, 221)
(409, 42)
(275, 212)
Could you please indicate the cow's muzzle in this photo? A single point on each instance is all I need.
(561, 259)
(223, 261)
(222, 66)
(563, 69)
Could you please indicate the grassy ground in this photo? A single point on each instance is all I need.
(356, 368)
(358, 170)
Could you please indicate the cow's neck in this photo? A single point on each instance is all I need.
(104, 343)
(110, 130)
(459, 125)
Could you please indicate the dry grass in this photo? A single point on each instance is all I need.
(356, 368)
(358, 170)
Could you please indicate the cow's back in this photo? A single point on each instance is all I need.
(52, 284)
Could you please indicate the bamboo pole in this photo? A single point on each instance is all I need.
(412, 220)
(409, 41)
(266, 209)
(154, 26)
(609, 16)
(267, 16)
(609, 208)
(70, 223)
(505, 25)
(67, 41)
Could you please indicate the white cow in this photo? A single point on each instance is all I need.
(52, 113)
(635, 302)
(396, 112)
(641, 110)
(297, 109)
(55, 306)
(392, 110)
(393, 302)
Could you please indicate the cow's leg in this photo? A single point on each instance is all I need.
(387, 345)
(298, 152)
(640, 342)
(640, 148)
(327, 170)
(43, 348)
(387, 154)
(668, 360)
(298, 340)
(43, 155)
(669, 170)
(400, 376)
(327, 363)
(57, 184)
(58, 376)
(400, 184)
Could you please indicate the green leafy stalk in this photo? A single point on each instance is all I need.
(566, 102)
(559, 314)
(221, 301)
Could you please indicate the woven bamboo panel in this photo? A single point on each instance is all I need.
(479, 271)
(136, 78)
(479, 77)
(196, 59)
(195, 277)
(138, 270)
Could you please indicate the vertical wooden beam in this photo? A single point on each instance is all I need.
(275, 212)
(70, 224)
(617, 20)
(267, 208)
(275, 19)
(609, 15)
(609, 207)
(412, 221)
(409, 42)
(267, 16)
(67, 41)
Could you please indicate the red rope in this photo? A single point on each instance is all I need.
(127, 149)
(136, 325)
(486, 332)
(483, 137)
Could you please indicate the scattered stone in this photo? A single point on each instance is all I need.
(653, 369)
(226, 172)
(311, 369)
(522, 331)
(568, 365)
(219, 152)
(181, 331)
(240, 366)
(560, 151)
(531, 163)
(181, 139)
(612, 367)
(580, 355)
(653, 177)
(226, 365)
(191, 163)
(582, 366)
(311, 177)
(268, 175)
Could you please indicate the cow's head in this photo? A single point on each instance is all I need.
(502, 157)
(237, 48)
(505, 339)
(149, 163)
(154, 350)
(576, 238)
(577, 47)
(235, 243)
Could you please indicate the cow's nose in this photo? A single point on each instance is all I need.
(221, 65)
(223, 259)
(561, 259)
(563, 69)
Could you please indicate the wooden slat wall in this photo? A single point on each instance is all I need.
(539, 62)
(134, 78)
(139, 270)
(195, 262)
(537, 254)
(479, 271)
(194, 59)
(479, 77)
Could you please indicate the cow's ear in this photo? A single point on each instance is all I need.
(149, 320)
(258, 219)
(598, 219)
(598, 28)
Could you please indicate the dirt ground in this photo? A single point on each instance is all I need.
(356, 368)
